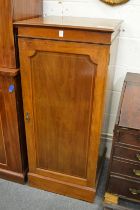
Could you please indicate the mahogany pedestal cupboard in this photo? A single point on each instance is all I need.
(124, 170)
(13, 157)
(64, 63)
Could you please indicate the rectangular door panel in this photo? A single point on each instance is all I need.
(63, 91)
(9, 137)
(62, 96)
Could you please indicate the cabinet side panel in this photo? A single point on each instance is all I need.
(7, 53)
(21, 126)
(11, 10)
(25, 9)
(62, 96)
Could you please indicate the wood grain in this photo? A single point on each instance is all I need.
(131, 118)
(13, 153)
(87, 24)
(69, 34)
(124, 190)
(63, 84)
(9, 122)
(125, 168)
(65, 188)
(125, 156)
(63, 121)
(9, 12)
(12, 137)
(61, 110)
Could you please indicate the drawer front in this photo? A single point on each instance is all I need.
(65, 34)
(125, 168)
(126, 153)
(129, 138)
(129, 188)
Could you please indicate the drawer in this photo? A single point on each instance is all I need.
(129, 138)
(127, 153)
(125, 168)
(76, 35)
(129, 188)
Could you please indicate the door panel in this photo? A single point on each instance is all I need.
(61, 102)
(10, 157)
(63, 92)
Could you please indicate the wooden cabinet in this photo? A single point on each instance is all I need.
(12, 10)
(13, 157)
(64, 70)
(124, 167)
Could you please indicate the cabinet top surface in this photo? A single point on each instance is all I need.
(108, 25)
(129, 113)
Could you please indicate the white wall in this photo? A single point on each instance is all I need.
(128, 57)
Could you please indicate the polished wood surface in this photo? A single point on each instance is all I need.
(125, 158)
(130, 116)
(69, 35)
(95, 31)
(10, 138)
(64, 104)
(13, 152)
(124, 168)
(129, 138)
(126, 153)
(97, 24)
(126, 189)
(25, 9)
(9, 72)
(9, 12)
(73, 29)
(63, 84)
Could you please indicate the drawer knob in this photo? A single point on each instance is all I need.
(138, 156)
(136, 172)
(134, 191)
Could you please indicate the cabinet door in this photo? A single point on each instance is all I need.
(63, 90)
(10, 157)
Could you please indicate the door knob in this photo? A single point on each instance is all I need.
(27, 116)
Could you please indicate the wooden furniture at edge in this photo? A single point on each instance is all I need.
(124, 171)
(13, 154)
(64, 66)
